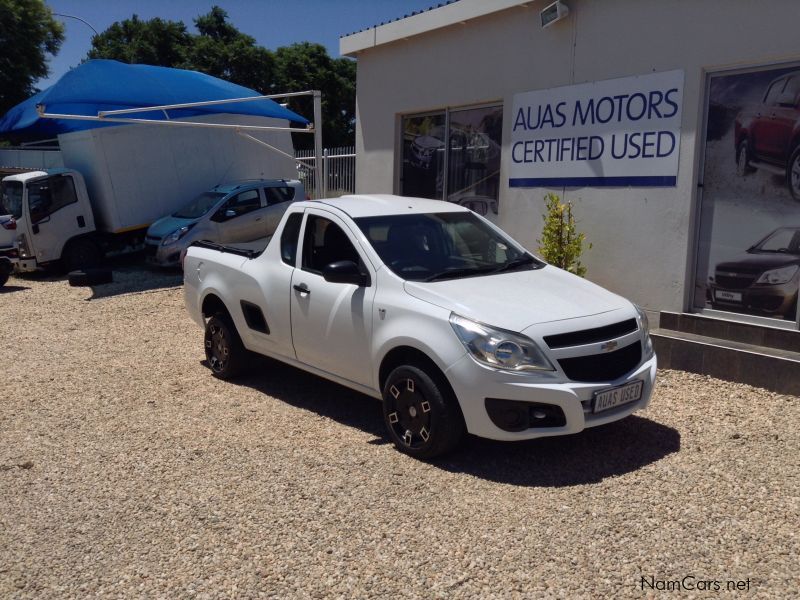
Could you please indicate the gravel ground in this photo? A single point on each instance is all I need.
(127, 470)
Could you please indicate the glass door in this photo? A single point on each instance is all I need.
(748, 260)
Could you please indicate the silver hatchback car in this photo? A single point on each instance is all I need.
(229, 213)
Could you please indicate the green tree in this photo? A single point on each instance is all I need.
(151, 42)
(307, 66)
(561, 244)
(28, 33)
(220, 49)
(223, 51)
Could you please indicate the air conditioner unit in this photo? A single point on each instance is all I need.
(555, 12)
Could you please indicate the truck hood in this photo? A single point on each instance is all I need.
(166, 225)
(517, 300)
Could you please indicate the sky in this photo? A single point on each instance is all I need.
(273, 23)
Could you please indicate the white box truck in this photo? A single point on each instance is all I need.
(117, 180)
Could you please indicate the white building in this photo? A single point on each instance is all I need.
(664, 219)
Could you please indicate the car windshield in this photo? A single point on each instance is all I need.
(199, 206)
(785, 240)
(430, 247)
(11, 198)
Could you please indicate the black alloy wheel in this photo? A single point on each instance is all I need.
(225, 353)
(421, 414)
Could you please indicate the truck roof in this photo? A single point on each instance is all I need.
(231, 186)
(23, 177)
(377, 205)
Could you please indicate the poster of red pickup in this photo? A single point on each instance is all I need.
(749, 251)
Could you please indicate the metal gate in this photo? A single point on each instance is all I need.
(338, 171)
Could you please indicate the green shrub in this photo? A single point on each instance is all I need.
(561, 245)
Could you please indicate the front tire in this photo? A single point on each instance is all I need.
(743, 159)
(82, 254)
(226, 355)
(421, 413)
(793, 174)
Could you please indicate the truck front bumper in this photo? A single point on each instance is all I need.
(549, 396)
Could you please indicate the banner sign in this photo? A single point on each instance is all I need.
(618, 132)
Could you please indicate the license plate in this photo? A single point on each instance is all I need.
(728, 296)
(624, 394)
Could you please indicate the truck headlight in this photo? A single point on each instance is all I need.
(778, 276)
(644, 325)
(499, 349)
(176, 235)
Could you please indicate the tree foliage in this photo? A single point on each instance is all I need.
(220, 49)
(28, 33)
(152, 42)
(561, 244)
(307, 66)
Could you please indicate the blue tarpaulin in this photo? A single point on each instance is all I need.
(98, 85)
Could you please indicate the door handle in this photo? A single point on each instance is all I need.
(302, 288)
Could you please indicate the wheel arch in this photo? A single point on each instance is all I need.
(212, 304)
(409, 355)
(89, 237)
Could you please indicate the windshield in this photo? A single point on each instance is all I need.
(785, 240)
(429, 247)
(199, 206)
(11, 198)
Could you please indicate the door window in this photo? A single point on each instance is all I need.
(792, 91)
(289, 238)
(774, 91)
(47, 196)
(243, 203)
(11, 198)
(325, 242)
(276, 195)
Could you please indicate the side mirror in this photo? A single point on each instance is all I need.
(37, 220)
(223, 215)
(345, 271)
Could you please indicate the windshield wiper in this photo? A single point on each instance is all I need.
(514, 264)
(459, 272)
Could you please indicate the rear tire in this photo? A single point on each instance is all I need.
(81, 254)
(3, 279)
(226, 355)
(421, 413)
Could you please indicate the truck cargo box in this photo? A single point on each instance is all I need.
(136, 174)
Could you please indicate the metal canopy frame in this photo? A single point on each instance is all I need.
(117, 116)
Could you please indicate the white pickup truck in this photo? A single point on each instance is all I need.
(434, 310)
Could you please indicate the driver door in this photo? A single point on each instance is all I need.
(332, 322)
(55, 215)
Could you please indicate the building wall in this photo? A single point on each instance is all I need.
(642, 237)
